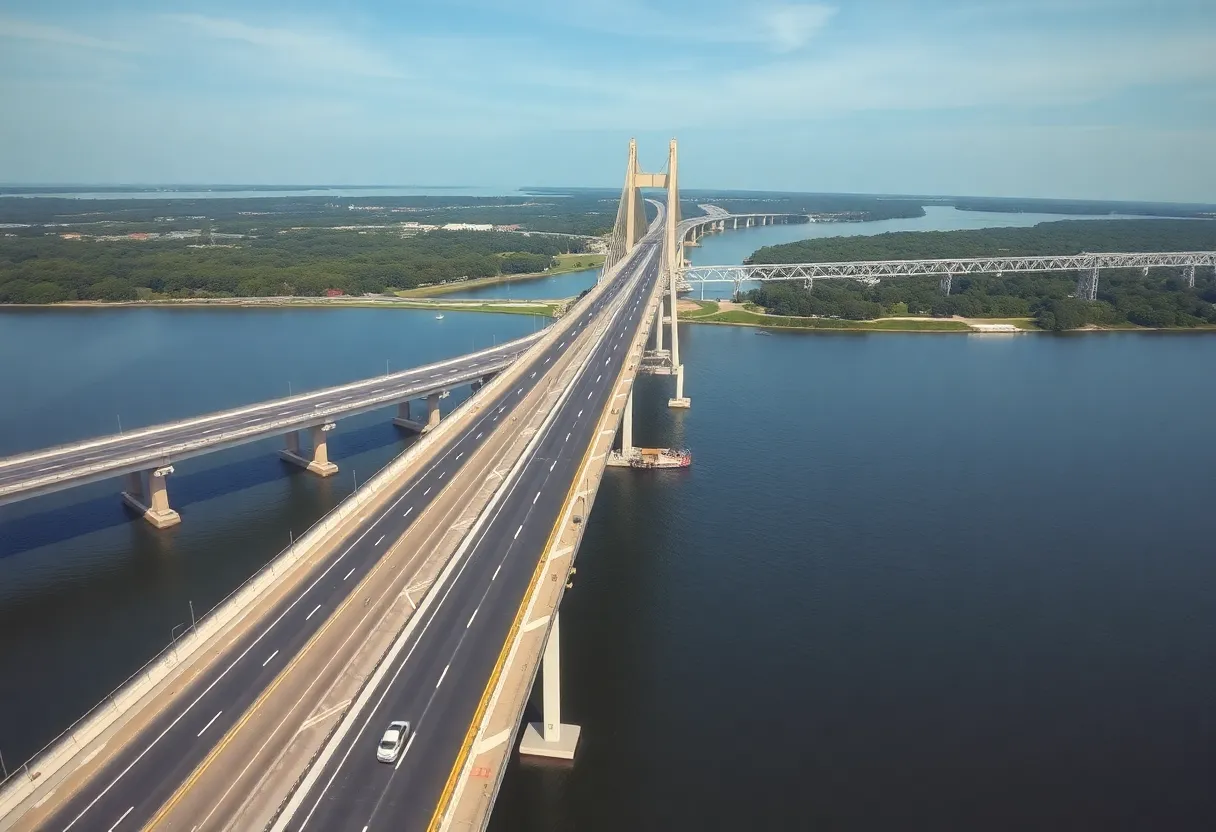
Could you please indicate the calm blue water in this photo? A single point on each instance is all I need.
(541, 288)
(910, 582)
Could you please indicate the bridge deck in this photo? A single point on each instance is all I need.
(53, 469)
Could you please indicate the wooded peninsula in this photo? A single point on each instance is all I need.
(1125, 296)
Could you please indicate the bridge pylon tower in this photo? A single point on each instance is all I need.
(631, 226)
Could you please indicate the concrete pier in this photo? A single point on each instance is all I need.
(319, 463)
(147, 494)
(432, 414)
(552, 738)
(627, 426)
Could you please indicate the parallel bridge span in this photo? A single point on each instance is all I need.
(150, 452)
(1087, 265)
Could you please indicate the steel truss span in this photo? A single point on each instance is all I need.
(872, 270)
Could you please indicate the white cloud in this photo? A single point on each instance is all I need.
(791, 27)
(25, 30)
(303, 48)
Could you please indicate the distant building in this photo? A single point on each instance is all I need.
(513, 227)
(139, 235)
(70, 235)
(468, 226)
(334, 293)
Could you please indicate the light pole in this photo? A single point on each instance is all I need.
(173, 633)
(386, 366)
(119, 418)
(193, 624)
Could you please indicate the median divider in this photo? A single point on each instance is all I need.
(121, 704)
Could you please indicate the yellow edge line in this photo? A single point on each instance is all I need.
(471, 735)
(261, 700)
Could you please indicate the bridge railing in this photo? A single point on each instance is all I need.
(151, 430)
(167, 454)
(879, 269)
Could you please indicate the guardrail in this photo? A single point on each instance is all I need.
(278, 426)
(299, 398)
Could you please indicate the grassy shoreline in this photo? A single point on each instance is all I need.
(489, 305)
(566, 265)
(711, 312)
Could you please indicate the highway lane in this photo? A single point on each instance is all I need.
(133, 785)
(438, 684)
(40, 472)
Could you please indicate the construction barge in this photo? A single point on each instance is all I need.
(650, 458)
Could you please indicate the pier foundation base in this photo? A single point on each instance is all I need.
(147, 494)
(319, 464)
(551, 738)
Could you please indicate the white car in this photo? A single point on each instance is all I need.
(392, 742)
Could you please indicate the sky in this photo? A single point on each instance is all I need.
(1083, 99)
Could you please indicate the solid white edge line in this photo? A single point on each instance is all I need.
(121, 819)
(208, 725)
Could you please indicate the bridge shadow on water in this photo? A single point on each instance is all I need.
(93, 514)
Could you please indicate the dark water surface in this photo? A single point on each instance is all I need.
(910, 582)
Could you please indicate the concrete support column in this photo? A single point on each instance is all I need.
(1190, 276)
(658, 325)
(318, 463)
(627, 426)
(432, 411)
(148, 495)
(551, 738)
(320, 451)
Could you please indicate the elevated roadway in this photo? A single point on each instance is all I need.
(53, 469)
(438, 681)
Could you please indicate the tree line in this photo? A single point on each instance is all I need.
(1125, 296)
(47, 269)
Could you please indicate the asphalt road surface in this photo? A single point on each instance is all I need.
(143, 775)
(438, 684)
